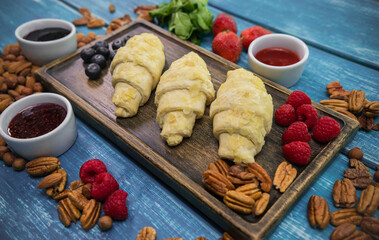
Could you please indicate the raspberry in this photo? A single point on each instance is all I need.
(297, 152)
(115, 205)
(326, 129)
(298, 98)
(307, 113)
(285, 115)
(103, 186)
(90, 169)
(297, 131)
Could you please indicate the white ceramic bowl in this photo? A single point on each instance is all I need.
(284, 75)
(41, 53)
(51, 144)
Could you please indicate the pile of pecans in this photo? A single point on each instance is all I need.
(352, 104)
(82, 40)
(88, 19)
(246, 189)
(353, 213)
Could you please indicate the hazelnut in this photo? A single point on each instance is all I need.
(376, 176)
(21, 80)
(3, 150)
(11, 81)
(8, 158)
(105, 223)
(18, 164)
(356, 153)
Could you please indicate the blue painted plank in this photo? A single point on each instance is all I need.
(347, 28)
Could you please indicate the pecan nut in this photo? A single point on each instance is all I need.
(335, 103)
(347, 113)
(357, 101)
(77, 185)
(219, 166)
(147, 233)
(238, 175)
(366, 123)
(355, 163)
(346, 215)
(251, 190)
(216, 183)
(91, 213)
(318, 212)
(96, 23)
(369, 201)
(370, 225)
(62, 195)
(344, 194)
(359, 177)
(262, 175)
(42, 166)
(50, 180)
(226, 236)
(239, 202)
(77, 199)
(343, 231)
(70, 209)
(261, 205)
(284, 176)
(372, 109)
(333, 87)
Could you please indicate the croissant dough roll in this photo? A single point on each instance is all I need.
(135, 70)
(181, 96)
(242, 116)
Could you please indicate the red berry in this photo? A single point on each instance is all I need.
(298, 98)
(285, 115)
(308, 114)
(297, 152)
(224, 22)
(326, 129)
(115, 205)
(228, 45)
(103, 186)
(90, 169)
(297, 131)
(250, 34)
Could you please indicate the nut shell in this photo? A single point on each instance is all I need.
(105, 223)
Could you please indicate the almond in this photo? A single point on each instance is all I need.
(50, 180)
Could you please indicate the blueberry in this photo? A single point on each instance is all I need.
(117, 44)
(86, 54)
(112, 54)
(103, 51)
(99, 59)
(93, 71)
(126, 39)
(100, 44)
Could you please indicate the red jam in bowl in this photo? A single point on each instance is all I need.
(36, 120)
(277, 56)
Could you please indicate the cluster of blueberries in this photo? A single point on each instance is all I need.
(98, 54)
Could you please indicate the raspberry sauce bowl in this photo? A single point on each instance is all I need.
(278, 57)
(39, 125)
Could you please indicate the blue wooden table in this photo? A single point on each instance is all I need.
(343, 38)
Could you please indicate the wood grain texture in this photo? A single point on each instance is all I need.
(344, 28)
(321, 69)
(185, 163)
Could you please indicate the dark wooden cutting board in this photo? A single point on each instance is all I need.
(182, 166)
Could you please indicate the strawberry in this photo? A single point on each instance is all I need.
(250, 34)
(228, 45)
(224, 22)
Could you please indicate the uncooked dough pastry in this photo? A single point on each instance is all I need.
(181, 96)
(135, 70)
(242, 116)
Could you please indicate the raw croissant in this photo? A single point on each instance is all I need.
(242, 116)
(135, 70)
(182, 93)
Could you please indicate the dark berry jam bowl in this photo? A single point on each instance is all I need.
(48, 45)
(53, 143)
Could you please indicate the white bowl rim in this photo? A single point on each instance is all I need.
(280, 35)
(41, 43)
(66, 120)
